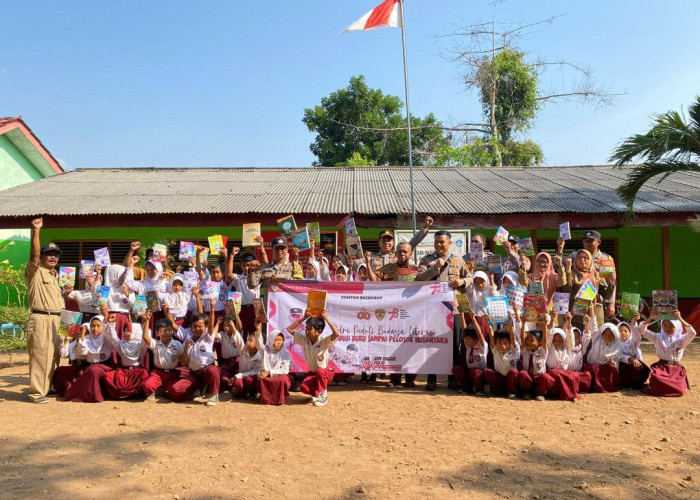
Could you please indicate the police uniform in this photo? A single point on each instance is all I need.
(453, 269)
(283, 271)
(43, 342)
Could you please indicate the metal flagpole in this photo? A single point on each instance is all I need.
(408, 118)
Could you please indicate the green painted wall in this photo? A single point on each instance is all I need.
(685, 270)
(15, 168)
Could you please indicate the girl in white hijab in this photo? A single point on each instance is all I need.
(604, 359)
(177, 299)
(154, 279)
(121, 299)
(274, 381)
(568, 381)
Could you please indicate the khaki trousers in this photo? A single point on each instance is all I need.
(44, 349)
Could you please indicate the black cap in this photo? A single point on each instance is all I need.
(513, 239)
(279, 242)
(247, 257)
(594, 235)
(386, 233)
(50, 247)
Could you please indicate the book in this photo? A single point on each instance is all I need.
(497, 309)
(235, 299)
(501, 236)
(101, 296)
(300, 239)
(140, 306)
(581, 307)
(314, 232)
(316, 302)
(564, 231)
(329, 243)
(664, 302)
(535, 308)
(354, 246)
(191, 280)
(66, 276)
(251, 232)
(535, 288)
(606, 268)
(587, 291)
(287, 225)
(515, 295)
(204, 254)
(494, 263)
(406, 274)
(629, 305)
(152, 301)
(259, 307)
(102, 257)
(160, 252)
(87, 269)
(186, 251)
(211, 290)
(476, 252)
(561, 302)
(526, 247)
(463, 305)
(69, 319)
(216, 244)
(350, 227)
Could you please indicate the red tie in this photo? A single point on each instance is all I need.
(471, 356)
(532, 364)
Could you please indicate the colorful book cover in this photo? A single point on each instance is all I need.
(140, 305)
(564, 231)
(101, 296)
(476, 252)
(587, 291)
(535, 288)
(102, 257)
(463, 305)
(501, 236)
(160, 252)
(606, 268)
(515, 295)
(212, 290)
(316, 302)
(287, 225)
(69, 319)
(581, 307)
(350, 228)
(251, 232)
(494, 263)
(561, 302)
(535, 307)
(66, 276)
(191, 280)
(186, 251)
(314, 232)
(406, 274)
(204, 254)
(629, 305)
(152, 301)
(216, 243)
(329, 243)
(235, 299)
(354, 246)
(87, 269)
(497, 309)
(259, 307)
(526, 247)
(300, 239)
(664, 302)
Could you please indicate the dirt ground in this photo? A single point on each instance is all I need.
(368, 442)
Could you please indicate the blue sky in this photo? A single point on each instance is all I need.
(222, 83)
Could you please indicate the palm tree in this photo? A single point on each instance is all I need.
(671, 145)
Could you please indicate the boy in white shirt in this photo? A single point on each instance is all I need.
(166, 357)
(503, 379)
(470, 372)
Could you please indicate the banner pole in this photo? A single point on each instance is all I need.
(408, 119)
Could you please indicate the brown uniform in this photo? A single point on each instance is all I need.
(453, 269)
(382, 259)
(283, 271)
(43, 343)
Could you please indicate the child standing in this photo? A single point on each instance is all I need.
(166, 357)
(503, 378)
(470, 373)
(240, 283)
(316, 353)
(274, 380)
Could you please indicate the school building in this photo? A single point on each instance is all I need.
(85, 209)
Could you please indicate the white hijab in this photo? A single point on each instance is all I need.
(112, 275)
(513, 277)
(177, 300)
(561, 355)
(273, 358)
(600, 351)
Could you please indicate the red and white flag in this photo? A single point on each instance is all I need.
(385, 15)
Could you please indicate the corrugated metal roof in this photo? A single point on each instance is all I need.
(366, 190)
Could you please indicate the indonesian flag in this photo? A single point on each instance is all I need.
(385, 15)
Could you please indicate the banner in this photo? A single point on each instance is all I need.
(385, 327)
(459, 247)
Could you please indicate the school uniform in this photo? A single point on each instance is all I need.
(603, 361)
(201, 371)
(245, 383)
(576, 362)
(220, 306)
(564, 382)
(532, 375)
(470, 374)
(247, 314)
(65, 376)
(128, 378)
(503, 377)
(178, 303)
(84, 299)
(668, 377)
(274, 389)
(631, 376)
(227, 358)
(316, 355)
(166, 360)
(97, 351)
(142, 287)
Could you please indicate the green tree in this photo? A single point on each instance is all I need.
(359, 122)
(671, 145)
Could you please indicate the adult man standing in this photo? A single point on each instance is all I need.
(441, 265)
(279, 269)
(46, 303)
(386, 246)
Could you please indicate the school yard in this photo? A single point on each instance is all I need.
(371, 442)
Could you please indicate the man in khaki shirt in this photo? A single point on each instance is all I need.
(46, 303)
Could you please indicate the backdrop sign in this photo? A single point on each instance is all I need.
(386, 327)
(459, 247)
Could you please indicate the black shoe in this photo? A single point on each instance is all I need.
(410, 384)
(364, 378)
(431, 386)
(372, 378)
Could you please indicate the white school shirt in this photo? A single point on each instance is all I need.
(631, 347)
(84, 298)
(539, 358)
(477, 298)
(131, 352)
(172, 299)
(118, 302)
(96, 348)
(240, 283)
(201, 352)
(220, 300)
(504, 362)
(229, 348)
(141, 287)
(316, 355)
(70, 351)
(577, 352)
(277, 363)
(478, 354)
(670, 347)
(556, 358)
(247, 364)
(166, 357)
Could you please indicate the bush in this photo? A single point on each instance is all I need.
(17, 315)
(10, 343)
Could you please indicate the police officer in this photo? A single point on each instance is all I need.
(46, 303)
(441, 265)
(386, 245)
(279, 269)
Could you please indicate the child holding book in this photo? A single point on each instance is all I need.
(239, 282)
(65, 376)
(121, 299)
(567, 381)
(633, 371)
(166, 356)
(315, 350)
(604, 358)
(250, 362)
(470, 372)
(131, 372)
(274, 380)
(532, 378)
(177, 300)
(503, 377)
(217, 278)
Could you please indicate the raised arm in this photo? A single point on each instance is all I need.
(293, 327)
(229, 264)
(263, 253)
(128, 260)
(370, 270)
(330, 324)
(168, 316)
(569, 330)
(198, 263)
(212, 315)
(479, 333)
(35, 248)
(145, 320)
(420, 235)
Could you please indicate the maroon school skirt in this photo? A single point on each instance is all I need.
(667, 380)
(124, 382)
(568, 384)
(604, 378)
(88, 387)
(274, 390)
